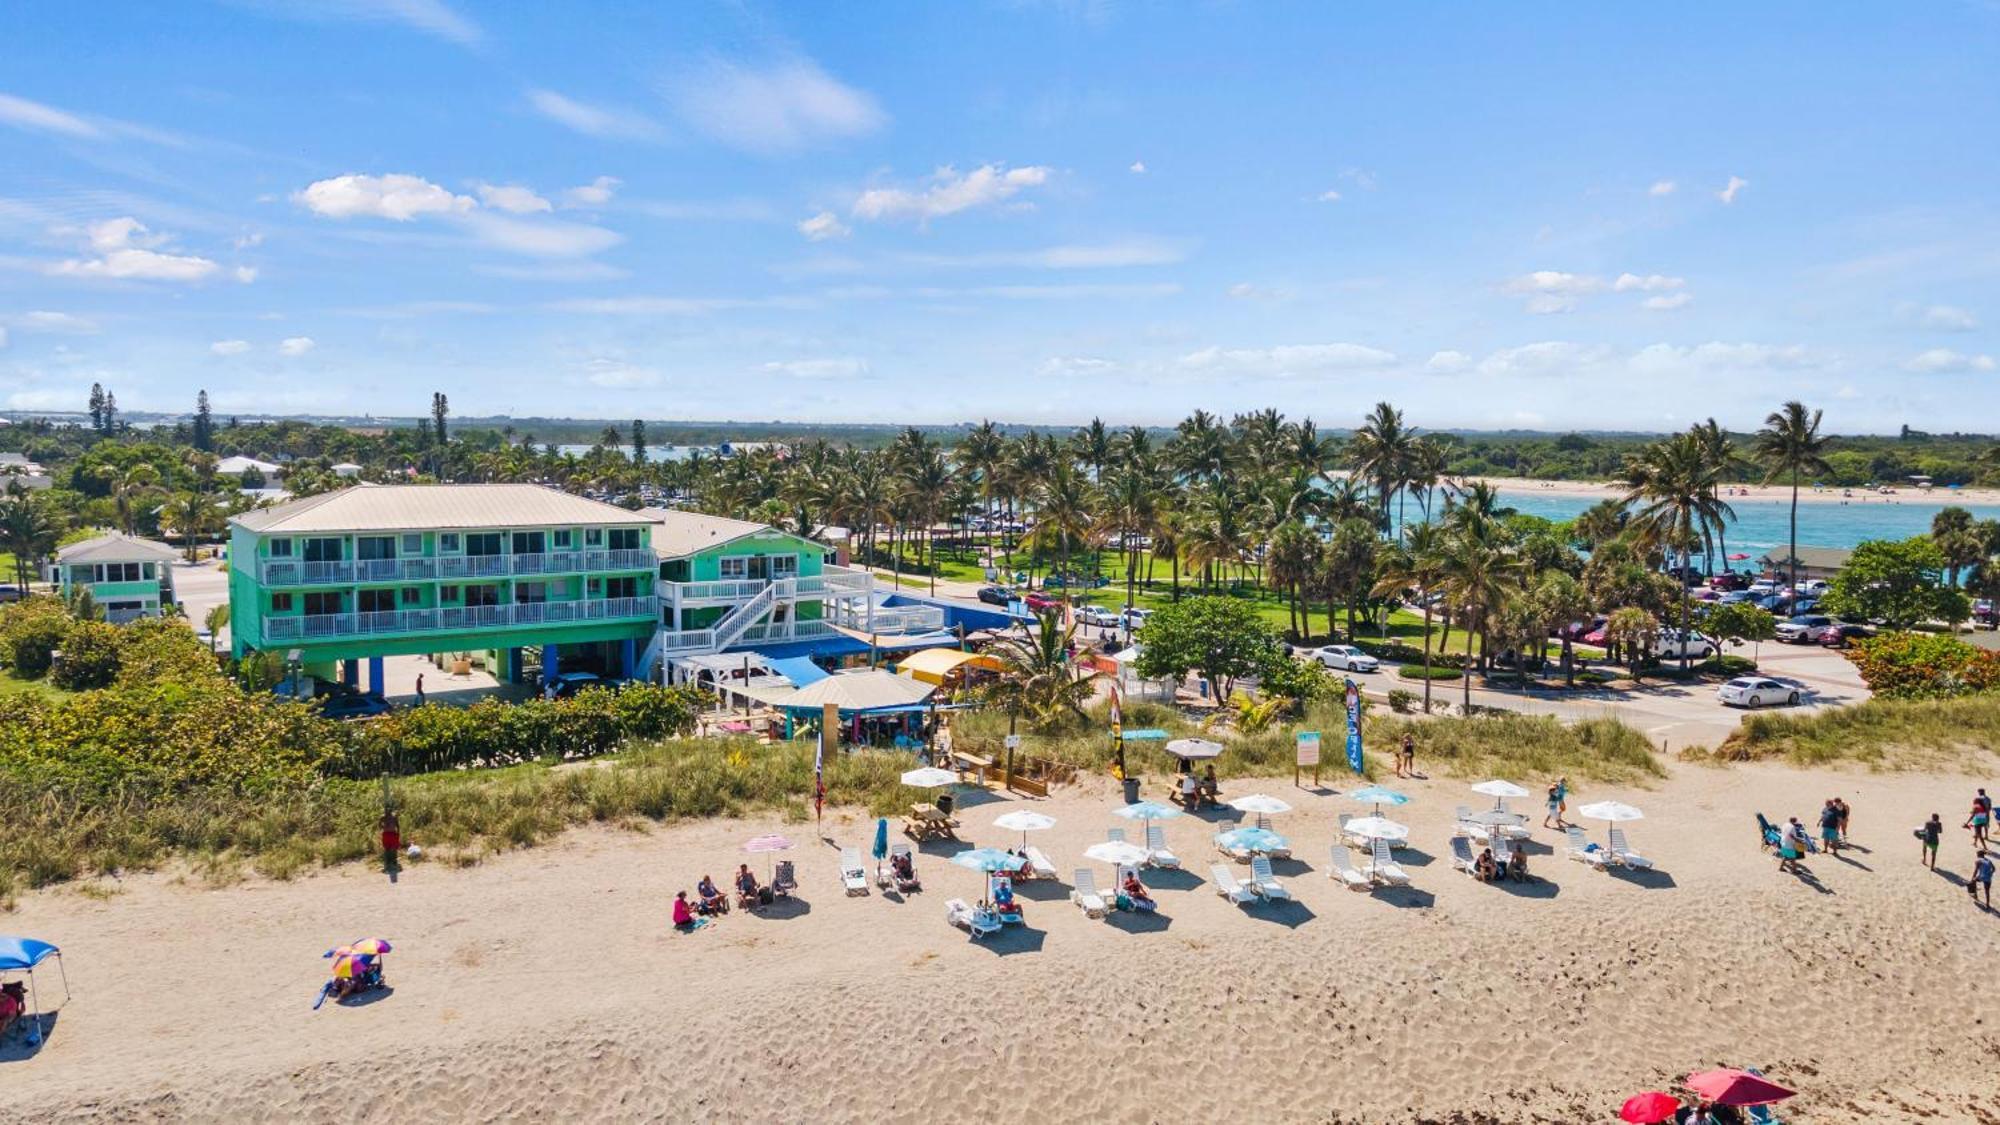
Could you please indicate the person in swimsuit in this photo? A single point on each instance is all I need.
(1982, 815)
(1930, 834)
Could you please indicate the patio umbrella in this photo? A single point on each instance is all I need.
(768, 845)
(1612, 811)
(371, 947)
(1499, 790)
(1649, 1108)
(1739, 556)
(1259, 803)
(1737, 1087)
(988, 860)
(1194, 749)
(1024, 821)
(1251, 840)
(1376, 828)
(1378, 796)
(1118, 853)
(929, 777)
(1148, 811)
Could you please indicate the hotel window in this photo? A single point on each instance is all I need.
(281, 548)
(281, 603)
(734, 567)
(448, 593)
(485, 543)
(321, 604)
(530, 593)
(322, 550)
(621, 587)
(412, 595)
(593, 537)
(784, 566)
(413, 544)
(565, 539)
(376, 601)
(146, 570)
(529, 543)
(592, 586)
(482, 595)
(624, 538)
(370, 548)
(117, 572)
(448, 541)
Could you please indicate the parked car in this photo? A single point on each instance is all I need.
(353, 705)
(1838, 634)
(1597, 635)
(1673, 645)
(1134, 616)
(1577, 630)
(996, 595)
(1983, 613)
(10, 592)
(1775, 603)
(1100, 616)
(1797, 630)
(1804, 606)
(1735, 597)
(1042, 603)
(1813, 586)
(1765, 587)
(1755, 691)
(566, 684)
(1729, 580)
(1346, 658)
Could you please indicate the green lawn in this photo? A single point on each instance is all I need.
(11, 686)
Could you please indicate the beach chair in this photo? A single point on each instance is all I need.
(1240, 855)
(1157, 854)
(1502, 851)
(1227, 886)
(1472, 830)
(977, 922)
(1084, 894)
(1264, 884)
(912, 883)
(1349, 838)
(1580, 848)
(1004, 905)
(1384, 869)
(1039, 864)
(853, 873)
(1344, 870)
(1769, 833)
(1461, 856)
(1264, 822)
(1510, 830)
(1115, 835)
(784, 881)
(1622, 853)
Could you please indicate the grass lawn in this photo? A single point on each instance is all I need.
(11, 686)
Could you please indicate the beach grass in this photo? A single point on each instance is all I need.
(1880, 734)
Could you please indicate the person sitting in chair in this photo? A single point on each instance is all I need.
(746, 887)
(1517, 866)
(1004, 901)
(905, 869)
(13, 1002)
(1486, 868)
(1136, 892)
(712, 901)
(1190, 791)
(1210, 791)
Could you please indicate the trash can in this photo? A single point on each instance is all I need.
(1131, 790)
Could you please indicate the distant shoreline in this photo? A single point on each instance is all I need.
(1603, 490)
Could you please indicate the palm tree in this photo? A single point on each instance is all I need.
(29, 530)
(1559, 600)
(193, 515)
(1790, 445)
(1380, 452)
(1065, 515)
(1092, 446)
(1295, 558)
(1674, 481)
(983, 455)
(1958, 539)
(1129, 507)
(215, 620)
(927, 481)
(1415, 564)
(1350, 564)
(1480, 573)
(1037, 678)
(128, 486)
(1720, 453)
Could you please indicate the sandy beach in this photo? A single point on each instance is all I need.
(546, 985)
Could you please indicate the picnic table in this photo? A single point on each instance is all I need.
(977, 765)
(928, 822)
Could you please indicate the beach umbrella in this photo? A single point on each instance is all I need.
(1376, 828)
(1252, 840)
(1118, 853)
(1649, 1108)
(371, 947)
(929, 777)
(1499, 790)
(347, 966)
(988, 860)
(1024, 821)
(1147, 811)
(881, 849)
(1194, 749)
(1737, 1087)
(1378, 796)
(1737, 556)
(1259, 803)
(768, 845)
(1612, 811)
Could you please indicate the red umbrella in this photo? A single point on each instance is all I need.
(1649, 1108)
(1737, 1087)
(1738, 557)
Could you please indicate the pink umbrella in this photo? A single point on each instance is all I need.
(768, 845)
(1736, 1087)
(1649, 1108)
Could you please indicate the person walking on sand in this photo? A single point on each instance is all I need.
(1982, 878)
(1845, 812)
(1558, 803)
(420, 689)
(1406, 764)
(1930, 834)
(1982, 815)
(1829, 827)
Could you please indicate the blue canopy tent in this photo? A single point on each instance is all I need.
(21, 955)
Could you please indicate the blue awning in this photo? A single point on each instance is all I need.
(798, 669)
(23, 953)
(837, 645)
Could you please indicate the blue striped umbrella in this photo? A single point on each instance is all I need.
(1251, 840)
(1147, 811)
(989, 860)
(1378, 796)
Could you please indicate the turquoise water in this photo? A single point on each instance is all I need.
(1762, 522)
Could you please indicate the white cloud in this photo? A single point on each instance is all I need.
(1730, 190)
(1938, 318)
(432, 17)
(1245, 291)
(556, 271)
(1662, 187)
(1447, 362)
(596, 193)
(1329, 196)
(1938, 361)
(669, 306)
(1545, 304)
(24, 114)
(395, 196)
(1719, 356)
(247, 240)
(540, 239)
(1359, 177)
(3, 335)
(604, 371)
(1071, 365)
(603, 122)
(949, 192)
(1289, 359)
(1652, 283)
(245, 274)
(125, 253)
(229, 347)
(831, 368)
(511, 198)
(1138, 168)
(1140, 251)
(1666, 302)
(823, 226)
(1545, 357)
(295, 346)
(1554, 282)
(68, 324)
(785, 107)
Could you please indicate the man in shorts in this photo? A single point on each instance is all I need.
(1829, 827)
(1982, 878)
(1930, 834)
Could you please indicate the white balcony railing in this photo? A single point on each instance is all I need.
(454, 618)
(293, 572)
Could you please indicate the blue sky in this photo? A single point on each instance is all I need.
(1584, 215)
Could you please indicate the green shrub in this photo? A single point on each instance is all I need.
(30, 632)
(1417, 672)
(89, 657)
(1402, 702)
(1910, 665)
(1409, 653)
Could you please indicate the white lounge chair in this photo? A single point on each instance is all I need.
(1621, 852)
(853, 872)
(1157, 853)
(1085, 893)
(1473, 830)
(1240, 855)
(1461, 856)
(1116, 835)
(1502, 851)
(1039, 864)
(1580, 849)
(1227, 886)
(1345, 869)
(979, 923)
(1264, 884)
(1383, 869)
(1512, 830)
(1464, 814)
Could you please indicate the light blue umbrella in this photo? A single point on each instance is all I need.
(1252, 840)
(1147, 811)
(1378, 796)
(989, 860)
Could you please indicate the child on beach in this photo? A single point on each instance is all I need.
(1558, 794)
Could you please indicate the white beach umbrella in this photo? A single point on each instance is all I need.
(1612, 811)
(929, 777)
(1194, 749)
(1499, 788)
(1024, 821)
(1260, 803)
(1118, 853)
(1375, 827)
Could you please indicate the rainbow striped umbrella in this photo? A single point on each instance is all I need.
(373, 946)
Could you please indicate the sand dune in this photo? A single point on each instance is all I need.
(546, 985)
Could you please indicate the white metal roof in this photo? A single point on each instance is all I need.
(678, 534)
(115, 546)
(237, 466)
(415, 507)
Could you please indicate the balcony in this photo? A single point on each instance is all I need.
(735, 591)
(280, 630)
(292, 572)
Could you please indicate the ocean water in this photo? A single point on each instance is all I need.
(677, 453)
(1762, 522)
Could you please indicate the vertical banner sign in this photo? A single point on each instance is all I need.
(1308, 755)
(1353, 726)
(1118, 731)
(829, 731)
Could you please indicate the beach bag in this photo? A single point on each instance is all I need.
(766, 896)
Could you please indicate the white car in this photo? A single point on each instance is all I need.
(1815, 587)
(1134, 616)
(1765, 587)
(1099, 616)
(1694, 646)
(1756, 691)
(1347, 658)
